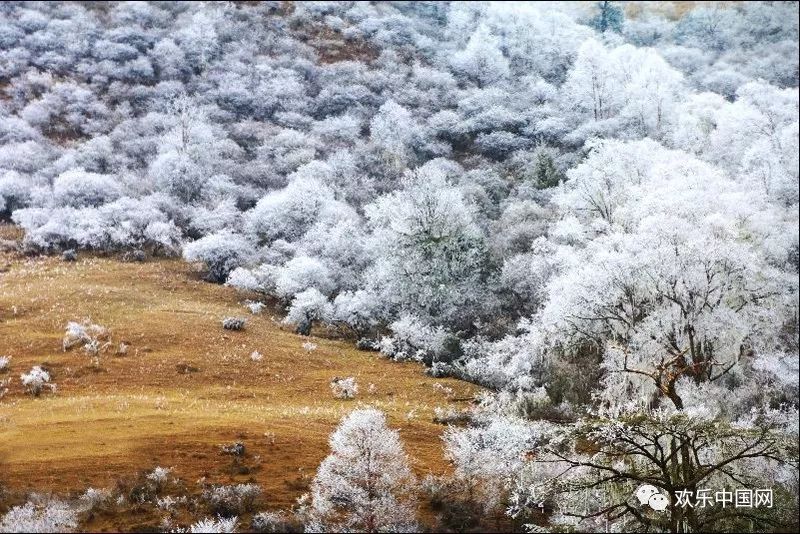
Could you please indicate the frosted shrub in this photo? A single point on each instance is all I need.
(307, 307)
(344, 388)
(79, 189)
(367, 344)
(219, 524)
(169, 502)
(4, 363)
(40, 516)
(231, 500)
(256, 356)
(233, 323)
(413, 339)
(259, 279)
(92, 347)
(69, 255)
(272, 522)
(309, 347)
(255, 307)
(137, 256)
(234, 449)
(86, 334)
(36, 380)
(158, 477)
(221, 253)
(92, 498)
(486, 457)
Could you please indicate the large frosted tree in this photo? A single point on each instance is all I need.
(430, 251)
(670, 285)
(365, 484)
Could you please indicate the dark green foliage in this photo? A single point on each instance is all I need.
(545, 173)
(609, 17)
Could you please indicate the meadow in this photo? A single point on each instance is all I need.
(185, 388)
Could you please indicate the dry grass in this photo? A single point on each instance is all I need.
(144, 409)
(670, 10)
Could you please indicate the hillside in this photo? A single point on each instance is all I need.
(565, 235)
(139, 411)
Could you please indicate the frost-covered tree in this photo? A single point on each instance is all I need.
(485, 458)
(288, 213)
(671, 293)
(365, 484)
(482, 60)
(221, 253)
(683, 455)
(430, 252)
(669, 287)
(609, 17)
(306, 307)
(190, 152)
(592, 86)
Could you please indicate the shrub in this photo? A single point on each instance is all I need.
(93, 498)
(231, 500)
(137, 255)
(235, 449)
(86, 334)
(307, 307)
(221, 253)
(255, 307)
(344, 388)
(79, 189)
(219, 524)
(274, 522)
(4, 363)
(233, 323)
(158, 477)
(368, 344)
(40, 515)
(36, 380)
(69, 255)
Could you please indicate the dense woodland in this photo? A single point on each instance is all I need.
(591, 209)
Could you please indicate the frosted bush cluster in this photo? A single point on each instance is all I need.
(233, 323)
(344, 388)
(40, 515)
(91, 337)
(231, 500)
(36, 381)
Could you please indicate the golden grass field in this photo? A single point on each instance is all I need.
(137, 411)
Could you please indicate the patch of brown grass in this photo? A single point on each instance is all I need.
(143, 409)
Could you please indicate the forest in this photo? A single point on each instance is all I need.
(586, 213)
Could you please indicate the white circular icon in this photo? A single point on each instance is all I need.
(658, 502)
(644, 493)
